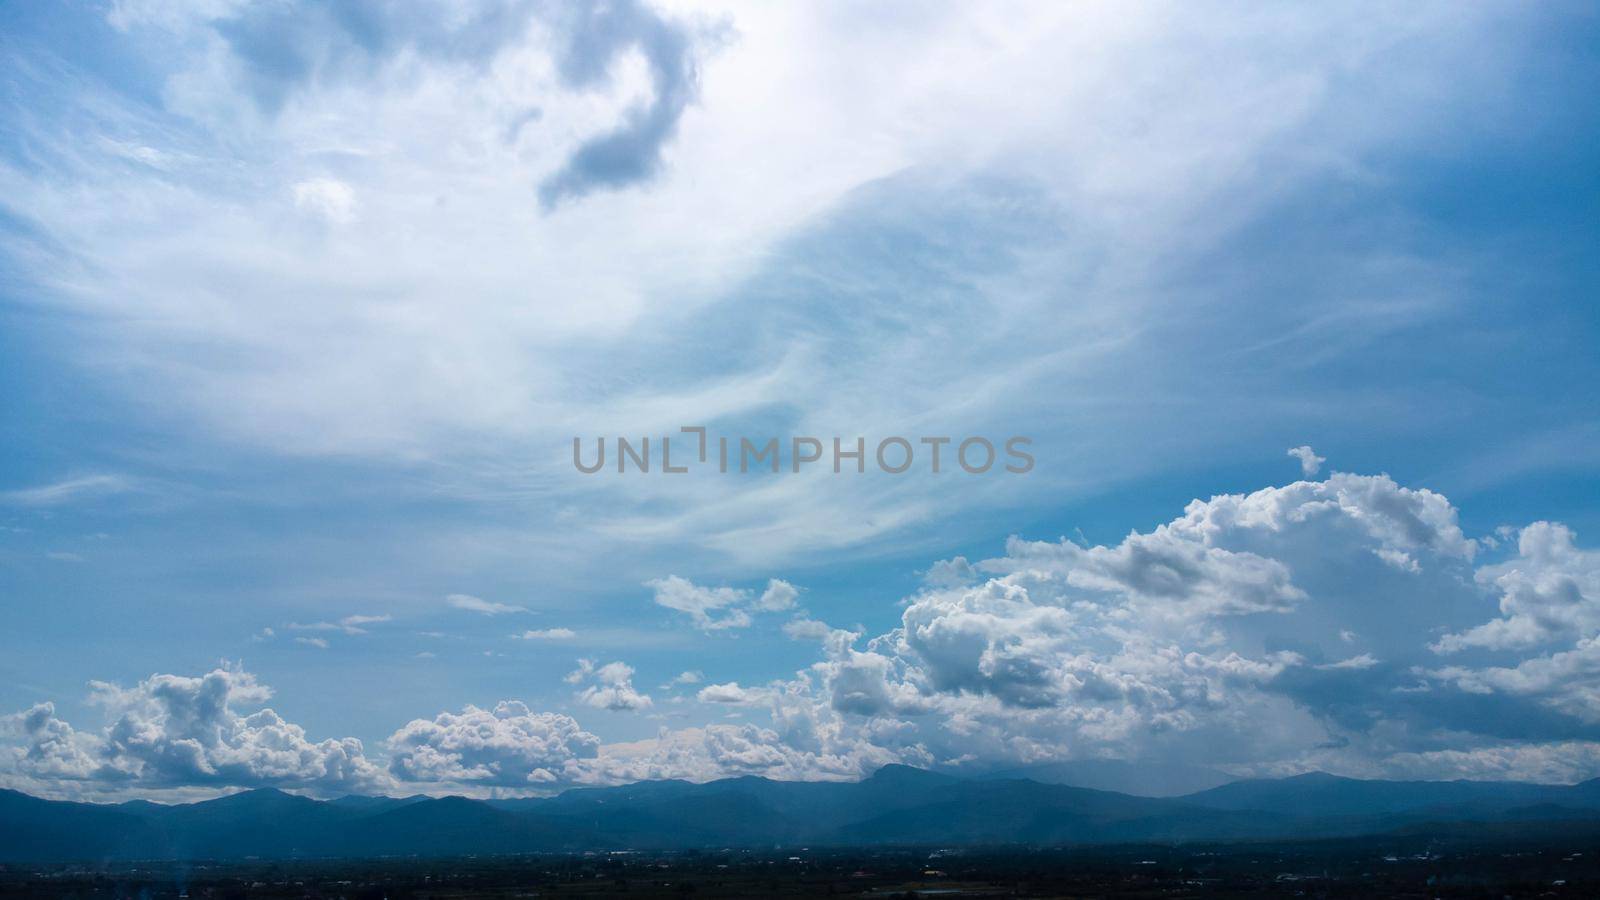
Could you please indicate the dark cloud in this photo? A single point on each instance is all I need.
(281, 47)
(630, 153)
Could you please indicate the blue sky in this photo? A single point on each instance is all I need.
(301, 306)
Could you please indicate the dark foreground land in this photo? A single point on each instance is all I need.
(1367, 867)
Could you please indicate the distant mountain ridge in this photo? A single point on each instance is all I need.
(1135, 777)
(898, 805)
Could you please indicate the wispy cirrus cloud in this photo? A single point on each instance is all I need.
(628, 117)
(480, 605)
(547, 634)
(354, 624)
(70, 490)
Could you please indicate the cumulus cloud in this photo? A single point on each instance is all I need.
(721, 751)
(1172, 571)
(1223, 636)
(1550, 592)
(480, 605)
(48, 748)
(1567, 681)
(1398, 558)
(174, 732)
(1396, 518)
(608, 686)
(508, 746)
(778, 596)
(1310, 462)
(953, 572)
(1174, 642)
(804, 628)
(1146, 644)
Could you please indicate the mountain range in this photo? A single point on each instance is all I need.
(896, 806)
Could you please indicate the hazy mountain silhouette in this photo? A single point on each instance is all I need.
(896, 806)
(1330, 795)
(1141, 779)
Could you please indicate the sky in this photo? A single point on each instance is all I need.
(302, 306)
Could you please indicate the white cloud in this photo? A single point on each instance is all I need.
(1362, 661)
(349, 624)
(954, 572)
(480, 605)
(720, 751)
(319, 643)
(509, 746)
(1550, 592)
(608, 686)
(710, 608)
(1398, 558)
(68, 491)
(778, 596)
(547, 634)
(730, 693)
(326, 198)
(1170, 570)
(1566, 680)
(171, 731)
(411, 326)
(49, 750)
(714, 609)
(806, 629)
(1222, 636)
(685, 678)
(1310, 462)
(1140, 649)
(1556, 762)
